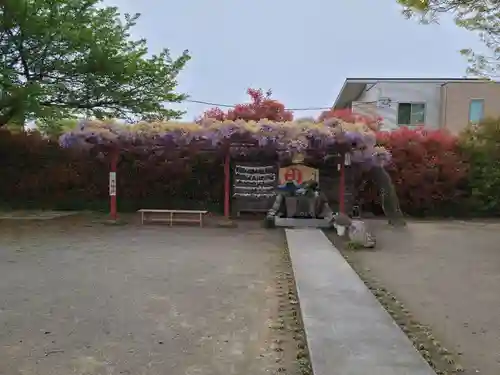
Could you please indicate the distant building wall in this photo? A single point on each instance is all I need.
(365, 108)
(456, 102)
(402, 92)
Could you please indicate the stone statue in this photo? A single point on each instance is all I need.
(304, 201)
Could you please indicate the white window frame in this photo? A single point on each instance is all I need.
(411, 113)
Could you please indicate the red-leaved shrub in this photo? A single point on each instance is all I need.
(428, 171)
(261, 107)
(38, 173)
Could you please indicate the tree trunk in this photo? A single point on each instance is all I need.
(390, 201)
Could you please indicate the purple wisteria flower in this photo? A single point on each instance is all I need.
(285, 138)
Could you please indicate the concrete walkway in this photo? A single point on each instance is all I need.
(348, 331)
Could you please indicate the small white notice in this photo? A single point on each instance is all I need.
(112, 184)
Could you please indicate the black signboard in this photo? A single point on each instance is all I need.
(254, 187)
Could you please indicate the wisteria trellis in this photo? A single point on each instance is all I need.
(289, 137)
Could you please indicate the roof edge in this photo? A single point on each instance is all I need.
(410, 79)
(374, 80)
(340, 94)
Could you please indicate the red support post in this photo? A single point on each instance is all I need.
(342, 185)
(227, 185)
(112, 183)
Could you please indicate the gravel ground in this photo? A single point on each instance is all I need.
(79, 297)
(440, 282)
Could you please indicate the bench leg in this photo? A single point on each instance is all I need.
(171, 218)
(142, 218)
(201, 220)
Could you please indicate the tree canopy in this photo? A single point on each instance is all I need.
(480, 16)
(63, 58)
(261, 107)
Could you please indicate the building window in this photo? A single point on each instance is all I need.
(476, 110)
(411, 113)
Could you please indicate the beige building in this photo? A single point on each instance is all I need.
(450, 103)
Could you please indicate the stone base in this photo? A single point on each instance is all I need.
(301, 223)
(226, 223)
(113, 222)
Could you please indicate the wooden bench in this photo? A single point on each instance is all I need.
(170, 216)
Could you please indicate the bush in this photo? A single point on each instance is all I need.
(481, 145)
(434, 173)
(428, 170)
(38, 173)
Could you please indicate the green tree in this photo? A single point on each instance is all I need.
(63, 58)
(479, 16)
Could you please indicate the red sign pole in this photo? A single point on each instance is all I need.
(227, 185)
(342, 185)
(112, 183)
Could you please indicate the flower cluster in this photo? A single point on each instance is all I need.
(289, 137)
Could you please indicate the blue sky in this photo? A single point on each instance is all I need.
(302, 50)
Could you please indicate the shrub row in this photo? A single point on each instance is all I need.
(434, 173)
(37, 173)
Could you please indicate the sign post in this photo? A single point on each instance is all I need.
(345, 161)
(342, 187)
(112, 185)
(227, 185)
